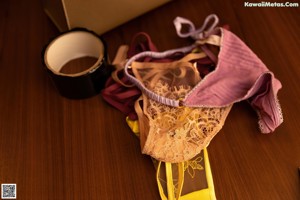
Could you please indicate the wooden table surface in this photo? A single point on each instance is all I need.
(56, 148)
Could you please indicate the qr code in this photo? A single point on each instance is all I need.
(9, 191)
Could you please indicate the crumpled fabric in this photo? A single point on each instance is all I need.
(240, 75)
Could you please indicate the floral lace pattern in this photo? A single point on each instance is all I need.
(177, 134)
(192, 165)
(170, 133)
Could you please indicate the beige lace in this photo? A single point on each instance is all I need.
(174, 134)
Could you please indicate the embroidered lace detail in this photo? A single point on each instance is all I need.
(175, 134)
(178, 134)
(195, 164)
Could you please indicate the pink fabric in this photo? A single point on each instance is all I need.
(239, 75)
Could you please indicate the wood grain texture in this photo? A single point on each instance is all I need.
(56, 148)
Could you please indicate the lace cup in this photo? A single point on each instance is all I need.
(175, 134)
(178, 134)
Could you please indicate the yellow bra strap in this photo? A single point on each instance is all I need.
(160, 188)
(134, 126)
(209, 177)
(170, 183)
(180, 179)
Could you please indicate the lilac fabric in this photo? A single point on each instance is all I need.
(239, 75)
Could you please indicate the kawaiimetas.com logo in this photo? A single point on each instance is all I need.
(270, 4)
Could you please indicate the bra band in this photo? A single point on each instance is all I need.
(195, 34)
(149, 93)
